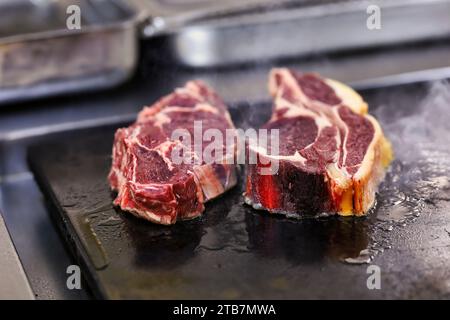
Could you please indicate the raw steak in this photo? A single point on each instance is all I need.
(332, 154)
(149, 184)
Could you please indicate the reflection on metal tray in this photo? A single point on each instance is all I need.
(229, 33)
(39, 56)
(236, 252)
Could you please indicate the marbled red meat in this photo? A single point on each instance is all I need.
(332, 154)
(148, 183)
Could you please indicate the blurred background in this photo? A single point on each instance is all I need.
(67, 65)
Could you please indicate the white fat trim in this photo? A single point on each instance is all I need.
(301, 96)
(152, 187)
(188, 90)
(343, 126)
(322, 121)
(163, 149)
(123, 161)
(319, 118)
(290, 81)
(206, 107)
(339, 176)
(120, 178)
(147, 214)
(369, 157)
(348, 96)
(295, 110)
(132, 137)
(161, 118)
(198, 107)
(192, 89)
(296, 157)
(134, 169)
(208, 181)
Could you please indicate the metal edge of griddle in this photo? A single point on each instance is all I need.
(11, 268)
(85, 84)
(66, 231)
(413, 77)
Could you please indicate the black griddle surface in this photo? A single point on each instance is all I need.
(233, 251)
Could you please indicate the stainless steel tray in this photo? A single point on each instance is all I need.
(216, 35)
(40, 56)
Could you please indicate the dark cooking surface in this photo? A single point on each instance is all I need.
(236, 252)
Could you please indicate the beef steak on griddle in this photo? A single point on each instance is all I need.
(149, 184)
(332, 154)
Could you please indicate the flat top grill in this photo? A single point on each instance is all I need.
(234, 251)
(408, 235)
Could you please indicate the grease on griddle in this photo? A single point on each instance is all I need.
(421, 170)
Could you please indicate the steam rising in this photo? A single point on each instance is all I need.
(419, 176)
(421, 143)
(425, 132)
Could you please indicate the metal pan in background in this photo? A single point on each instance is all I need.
(261, 30)
(40, 57)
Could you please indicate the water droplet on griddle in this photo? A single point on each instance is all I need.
(365, 256)
(110, 221)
